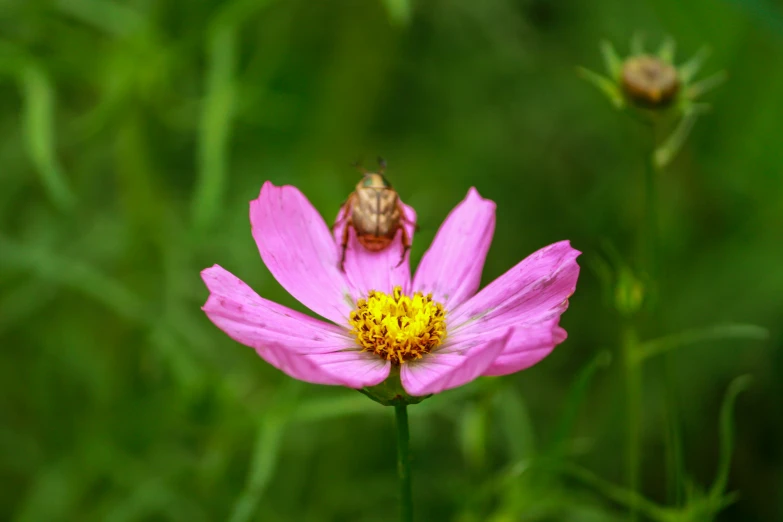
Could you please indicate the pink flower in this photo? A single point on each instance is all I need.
(379, 316)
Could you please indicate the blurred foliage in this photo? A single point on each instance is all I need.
(133, 134)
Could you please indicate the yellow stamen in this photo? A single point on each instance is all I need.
(396, 327)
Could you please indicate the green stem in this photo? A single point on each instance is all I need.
(404, 463)
(653, 171)
(647, 236)
(633, 397)
(650, 230)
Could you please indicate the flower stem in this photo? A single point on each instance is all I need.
(404, 463)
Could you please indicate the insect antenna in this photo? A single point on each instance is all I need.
(358, 166)
(382, 165)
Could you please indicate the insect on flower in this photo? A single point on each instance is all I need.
(374, 211)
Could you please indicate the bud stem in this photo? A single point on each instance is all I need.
(671, 400)
(633, 395)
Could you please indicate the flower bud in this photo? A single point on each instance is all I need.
(649, 81)
(653, 87)
(628, 293)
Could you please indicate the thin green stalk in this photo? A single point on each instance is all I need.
(404, 463)
(633, 397)
(653, 171)
(650, 230)
(648, 244)
(674, 458)
(647, 236)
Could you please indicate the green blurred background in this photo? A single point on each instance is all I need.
(134, 133)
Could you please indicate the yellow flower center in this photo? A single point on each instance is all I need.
(396, 327)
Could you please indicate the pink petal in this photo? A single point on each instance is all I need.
(380, 271)
(527, 346)
(304, 348)
(299, 251)
(456, 364)
(353, 369)
(535, 290)
(254, 321)
(451, 268)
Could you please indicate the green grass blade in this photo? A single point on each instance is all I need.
(619, 494)
(736, 387)
(112, 17)
(38, 117)
(514, 418)
(576, 396)
(270, 434)
(712, 333)
(327, 408)
(70, 273)
(215, 126)
(266, 450)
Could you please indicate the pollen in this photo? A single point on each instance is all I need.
(397, 327)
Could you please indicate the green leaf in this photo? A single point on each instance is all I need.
(667, 49)
(703, 86)
(612, 61)
(605, 85)
(690, 69)
(664, 154)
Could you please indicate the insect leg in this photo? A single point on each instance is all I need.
(344, 245)
(341, 220)
(405, 219)
(345, 205)
(406, 245)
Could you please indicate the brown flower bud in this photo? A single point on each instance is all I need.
(649, 81)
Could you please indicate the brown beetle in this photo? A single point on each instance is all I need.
(375, 212)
